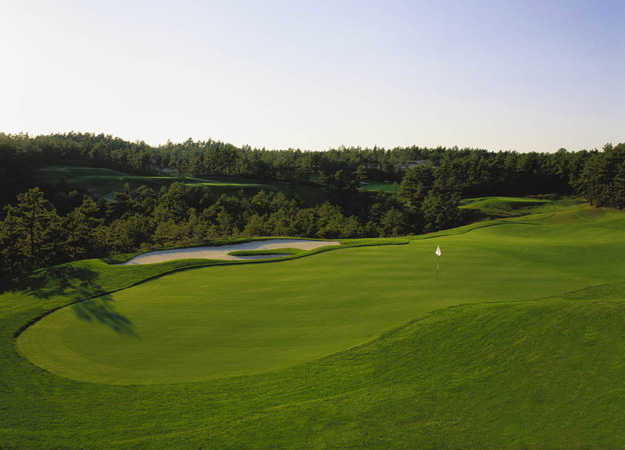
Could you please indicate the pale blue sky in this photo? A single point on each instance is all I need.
(526, 75)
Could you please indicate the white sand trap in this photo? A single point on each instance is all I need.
(221, 252)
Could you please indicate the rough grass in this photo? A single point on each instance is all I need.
(534, 362)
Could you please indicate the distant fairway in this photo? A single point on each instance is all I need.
(503, 206)
(225, 321)
(380, 187)
(101, 181)
(519, 343)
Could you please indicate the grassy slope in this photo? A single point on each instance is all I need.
(542, 373)
(506, 206)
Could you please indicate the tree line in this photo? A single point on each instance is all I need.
(36, 233)
(473, 171)
(40, 226)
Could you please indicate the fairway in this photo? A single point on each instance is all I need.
(503, 206)
(103, 181)
(518, 343)
(240, 320)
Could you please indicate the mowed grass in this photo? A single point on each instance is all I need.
(101, 181)
(517, 344)
(506, 206)
(389, 188)
(226, 321)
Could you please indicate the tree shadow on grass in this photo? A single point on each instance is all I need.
(67, 279)
(80, 284)
(102, 310)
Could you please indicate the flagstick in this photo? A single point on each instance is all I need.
(438, 255)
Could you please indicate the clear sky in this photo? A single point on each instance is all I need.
(521, 75)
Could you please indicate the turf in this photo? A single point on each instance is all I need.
(389, 188)
(517, 344)
(103, 182)
(505, 206)
(220, 322)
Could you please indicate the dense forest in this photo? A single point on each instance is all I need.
(42, 225)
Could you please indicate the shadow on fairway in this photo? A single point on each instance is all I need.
(102, 310)
(56, 280)
(77, 282)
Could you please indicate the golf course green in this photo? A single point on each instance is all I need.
(518, 341)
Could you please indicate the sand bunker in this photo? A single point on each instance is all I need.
(221, 252)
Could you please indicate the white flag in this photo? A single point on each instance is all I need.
(438, 251)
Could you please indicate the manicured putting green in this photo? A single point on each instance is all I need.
(247, 319)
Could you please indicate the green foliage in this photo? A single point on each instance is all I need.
(178, 215)
(415, 185)
(440, 210)
(83, 239)
(603, 178)
(340, 171)
(31, 232)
